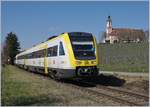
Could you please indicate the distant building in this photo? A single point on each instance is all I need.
(147, 35)
(114, 35)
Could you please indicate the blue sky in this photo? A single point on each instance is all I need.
(34, 22)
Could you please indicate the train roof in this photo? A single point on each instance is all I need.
(51, 37)
(79, 33)
(38, 45)
(54, 37)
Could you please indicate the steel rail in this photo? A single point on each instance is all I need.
(97, 93)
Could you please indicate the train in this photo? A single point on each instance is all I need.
(68, 55)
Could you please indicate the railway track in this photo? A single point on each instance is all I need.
(121, 96)
(124, 91)
(130, 97)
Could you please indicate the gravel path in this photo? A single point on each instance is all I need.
(125, 73)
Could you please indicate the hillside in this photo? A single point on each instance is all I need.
(132, 57)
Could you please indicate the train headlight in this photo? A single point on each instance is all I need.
(86, 62)
(78, 62)
(93, 62)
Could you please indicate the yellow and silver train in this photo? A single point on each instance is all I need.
(68, 55)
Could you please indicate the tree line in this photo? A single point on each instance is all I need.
(10, 49)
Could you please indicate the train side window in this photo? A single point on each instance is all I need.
(61, 49)
(38, 54)
(43, 53)
(48, 52)
(29, 56)
(26, 57)
(33, 55)
(54, 51)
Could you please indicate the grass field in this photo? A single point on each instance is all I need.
(131, 57)
(22, 88)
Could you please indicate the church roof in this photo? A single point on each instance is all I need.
(126, 32)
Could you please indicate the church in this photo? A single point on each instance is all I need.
(125, 35)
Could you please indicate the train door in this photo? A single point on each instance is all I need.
(62, 59)
(45, 61)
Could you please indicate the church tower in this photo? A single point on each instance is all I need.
(109, 25)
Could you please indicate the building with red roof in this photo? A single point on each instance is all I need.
(114, 35)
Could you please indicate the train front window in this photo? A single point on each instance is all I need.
(83, 46)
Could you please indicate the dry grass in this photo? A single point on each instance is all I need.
(20, 88)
